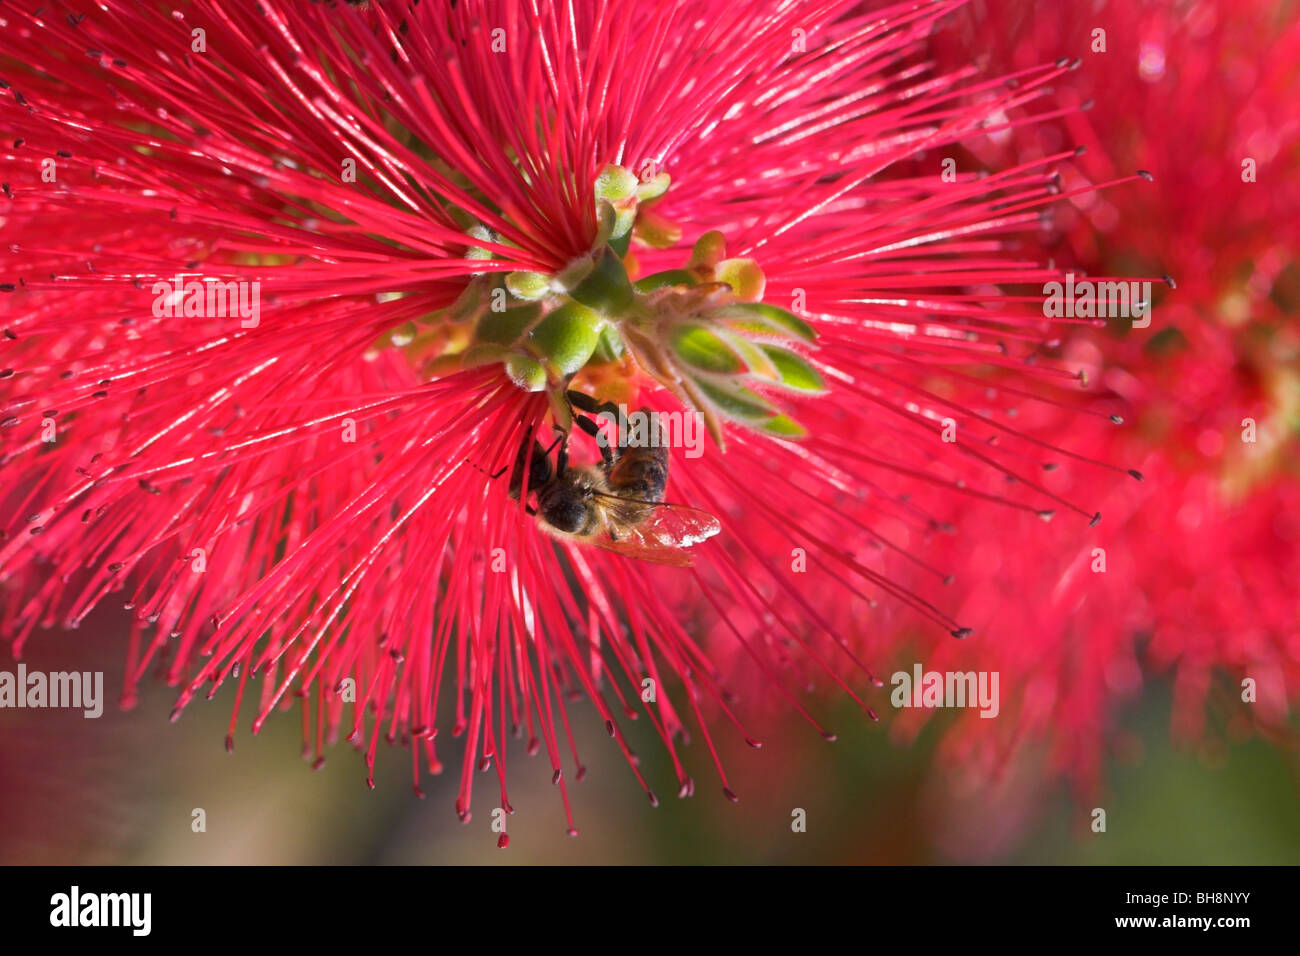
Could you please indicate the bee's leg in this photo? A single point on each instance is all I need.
(587, 425)
(590, 405)
(591, 428)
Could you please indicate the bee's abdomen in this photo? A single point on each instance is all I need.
(640, 473)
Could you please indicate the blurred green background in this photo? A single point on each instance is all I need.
(121, 789)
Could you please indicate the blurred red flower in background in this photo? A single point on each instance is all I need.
(1202, 561)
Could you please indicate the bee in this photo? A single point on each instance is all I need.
(616, 504)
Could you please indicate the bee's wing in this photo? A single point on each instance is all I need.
(663, 536)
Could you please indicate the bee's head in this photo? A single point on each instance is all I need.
(566, 506)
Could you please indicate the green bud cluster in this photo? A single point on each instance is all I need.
(702, 331)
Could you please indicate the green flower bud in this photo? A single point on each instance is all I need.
(615, 184)
(759, 318)
(653, 188)
(656, 230)
(662, 280)
(755, 359)
(783, 426)
(567, 338)
(710, 249)
(796, 372)
(699, 348)
(744, 276)
(483, 234)
(736, 402)
(528, 285)
(526, 373)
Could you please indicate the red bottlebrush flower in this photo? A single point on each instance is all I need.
(1197, 569)
(293, 287)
